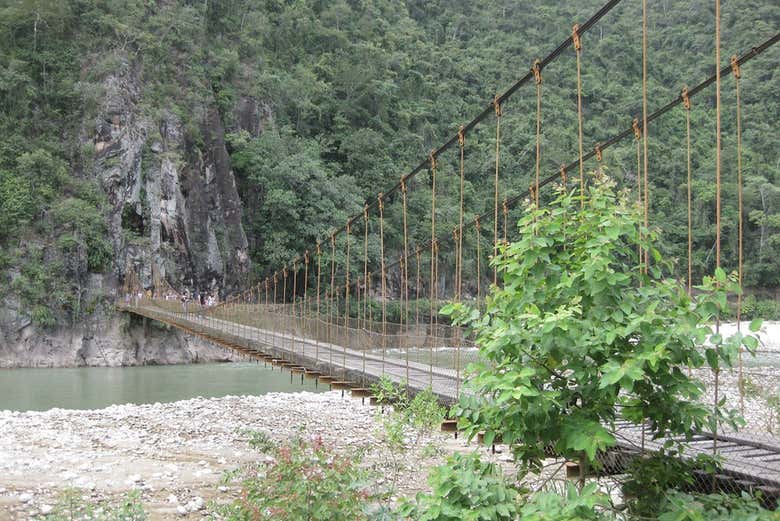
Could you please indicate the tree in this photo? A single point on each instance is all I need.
(17, 203)
(577, 336)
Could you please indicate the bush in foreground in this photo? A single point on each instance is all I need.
(307, 481)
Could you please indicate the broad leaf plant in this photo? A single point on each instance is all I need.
(579, 333)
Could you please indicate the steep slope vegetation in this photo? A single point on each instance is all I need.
(206, 143)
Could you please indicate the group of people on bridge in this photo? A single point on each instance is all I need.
(198, 299)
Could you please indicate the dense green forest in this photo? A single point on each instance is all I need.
(357, 92)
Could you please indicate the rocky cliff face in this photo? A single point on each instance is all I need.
(174, 222)
(175, 213)
(110, 342)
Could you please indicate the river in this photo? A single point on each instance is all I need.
(98, 387)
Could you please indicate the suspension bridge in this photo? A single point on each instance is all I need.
(347, 318)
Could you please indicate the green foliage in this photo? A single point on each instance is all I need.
(422, 412)
(301, 196)
(404, 425)
(261, 440)
(576, 334)
(17, 204)
(304, 481)
(464, 489)
(351, 94)
(86, 230)
(587, 504)
(52, 277)
(652, 477)
(386, 392)
(753, 307)
(679, 506)
(72, 506)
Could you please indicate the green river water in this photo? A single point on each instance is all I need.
(98, 387)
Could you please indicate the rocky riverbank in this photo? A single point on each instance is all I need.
(175, 454)
(117, 341)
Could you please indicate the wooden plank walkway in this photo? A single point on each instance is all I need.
(749, 461)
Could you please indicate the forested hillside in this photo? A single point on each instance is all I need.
(318, 106)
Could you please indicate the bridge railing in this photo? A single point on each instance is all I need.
(440, 345)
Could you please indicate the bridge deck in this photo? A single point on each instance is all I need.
(754, 460)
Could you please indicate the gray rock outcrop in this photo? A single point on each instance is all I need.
(174, 221)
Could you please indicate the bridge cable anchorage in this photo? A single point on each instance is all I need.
(575, 38)
(380, 199)
(497, 108)
(737, 73)
(432, 289)
(644, 128)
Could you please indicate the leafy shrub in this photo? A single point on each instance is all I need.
(585, 505)
(650, 478)
(416, 416)
(386, 392)
(304, 481)
(466, 488)
(679, 506)
(424, 413)
(576, 333)
(86, 227)
(261, 441)
(17, 202)
(71, 505)
(766, 309)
